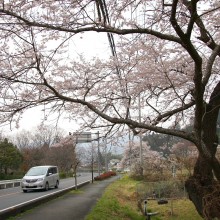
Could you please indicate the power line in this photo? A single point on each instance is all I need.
(104, 16)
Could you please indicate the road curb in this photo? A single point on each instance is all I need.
(22, 207)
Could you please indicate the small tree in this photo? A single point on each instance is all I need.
(63, 154)
(90, 157)
(10, 156)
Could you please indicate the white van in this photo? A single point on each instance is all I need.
(40, 177)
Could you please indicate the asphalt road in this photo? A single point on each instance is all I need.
(14, 196)
(71, 206)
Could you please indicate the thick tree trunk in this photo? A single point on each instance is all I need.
(203, 187)
(204, 190)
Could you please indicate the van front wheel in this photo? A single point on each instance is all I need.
(46, 186)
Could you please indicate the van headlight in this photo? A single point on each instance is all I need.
(40, 179)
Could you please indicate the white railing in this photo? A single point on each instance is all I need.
(10, 183)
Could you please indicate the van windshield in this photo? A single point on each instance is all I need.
(36, 171)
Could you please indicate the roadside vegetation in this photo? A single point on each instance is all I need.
(120, 202)
(44, 145)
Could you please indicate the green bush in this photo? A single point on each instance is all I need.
(17, 175)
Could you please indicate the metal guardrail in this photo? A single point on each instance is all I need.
(4, 184)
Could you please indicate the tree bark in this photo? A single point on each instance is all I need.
(203, 186)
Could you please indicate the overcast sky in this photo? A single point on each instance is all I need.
(91, 45)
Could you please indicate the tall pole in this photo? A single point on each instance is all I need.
(129, 143)
(98, 155)
(92, 165)
(140, 135)
(106, 155)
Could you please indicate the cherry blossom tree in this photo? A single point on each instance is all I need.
(153, 161)
(184, 154)
(164, 59)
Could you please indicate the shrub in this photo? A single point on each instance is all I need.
(105, 175)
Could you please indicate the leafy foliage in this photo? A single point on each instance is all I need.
(10, 156)
(160, 142)
(105, 175)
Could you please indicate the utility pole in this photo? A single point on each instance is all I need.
(140, 135)
(98, 154)
(106, 155)
(92, 164)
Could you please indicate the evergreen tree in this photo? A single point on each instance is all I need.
(10, 156)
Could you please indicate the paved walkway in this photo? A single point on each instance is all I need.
(71, 206)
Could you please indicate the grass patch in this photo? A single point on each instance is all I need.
(119, 202)
(19, 216)
(76, 191)
(181, 209)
